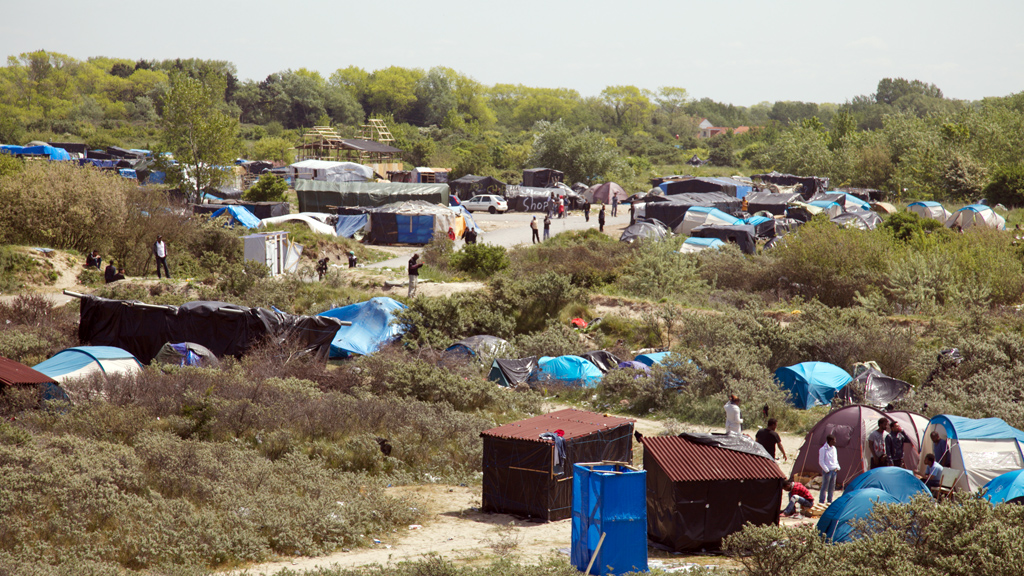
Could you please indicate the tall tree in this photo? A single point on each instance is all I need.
(200, 135)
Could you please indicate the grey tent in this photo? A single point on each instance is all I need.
(482, 345)
(859, 220)
(469, 185)
(743, 236)
(672, 209)
(646, 228)
(770, 202)
(603, 359)
(511, 372)
(187, 354)
(874, 388)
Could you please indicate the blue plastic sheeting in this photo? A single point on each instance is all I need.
(1005, 487)
(157, 177)
(347, 226)
(460, 210)
(824, 204)
(614, 504)
(141, 151)
(128, 173)
(960, 428)
(633, 364)
(240, 215)
(900, 483)
(727, 218)
(852, 200)
(568, 370)
(415, 229)
(705, 242)
(812, 383)
(53, 153)
(652, 358)
(836, 522)
(755, 220)
(372, 326)
(73, 359)
(98, 163)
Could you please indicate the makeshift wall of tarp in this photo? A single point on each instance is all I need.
(373, 325)
(726, 186)
(330, 171)
(672, 209)
(349, 226)
(226, 329)
(770, 202)
(542, 177)
(411, 223)
(469, 185)
(84, 361)
(316, 196)
(238, 215)
(810, 185)
(743, 236)
(529, 199)
(260, 210)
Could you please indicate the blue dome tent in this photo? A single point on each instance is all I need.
(980, 448)
(899, 482)
(812, 383)
(1007, 487)
(652, 358)
(836, 522)
(82, 361)
(568, 370)
(372, 326)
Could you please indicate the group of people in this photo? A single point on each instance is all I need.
(111, 273)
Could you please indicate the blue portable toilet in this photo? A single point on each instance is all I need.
(373, 325)
(609, 499)
(899, 482)
(812, 383)
(836, 523)
(1008, 487)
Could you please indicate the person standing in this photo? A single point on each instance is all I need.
(600, 219)
(160, 251)
(615, 205)
(586, 210)
(632, 214)
(547, 226)
(733, 422)
(894, 444)
(769, 439)
(828, 460)
(876, 441)
(536, 233)
(940, 449)
(352, 260)
(414, 274)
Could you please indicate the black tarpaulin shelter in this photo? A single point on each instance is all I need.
(603, 359)
(511, 372)
(521, 475)
(873, 388)
(530, 199)
(703, 487)
(811, 185)
(645, 229)
(671, 210)
(770, 202)
(225, 329)
(542, 177)
(701, 185)
(469, 185)
(743, 236)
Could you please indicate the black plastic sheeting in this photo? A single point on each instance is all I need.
(743, 236)
(512, 371)
(685, 516)
(671, 210)
(874, 388)
(519, 475)
(811, 185)
(542, 177)
(603, 359)
(645, 229)
(770, 202)
(469, 185)
(225, 329)
(701, 186)
(734, 442)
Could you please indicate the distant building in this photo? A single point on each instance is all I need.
(708, 130)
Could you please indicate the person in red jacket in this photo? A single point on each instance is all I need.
(798, 494)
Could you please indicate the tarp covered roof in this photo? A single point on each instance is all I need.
(239, 214)
(316, 195)
(649, 229)
(372, 326)
(510, 372)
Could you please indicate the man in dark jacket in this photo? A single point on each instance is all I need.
(894, 444)
(600, 219)
(414, 274)
(586, 210)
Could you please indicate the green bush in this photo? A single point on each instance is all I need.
(534, 299)
(658, 272)
(480, 260)
(269, 188)
(440, 322)
(1007, 186)
(555, 340)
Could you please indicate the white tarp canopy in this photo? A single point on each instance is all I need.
(312, 219)
(328, 171)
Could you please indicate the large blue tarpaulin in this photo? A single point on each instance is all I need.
(899, 482)
(373, 325)
(611, 500)
(238, 214)
(812, 383)
(53, 153)
(567, 370)
(347, 226)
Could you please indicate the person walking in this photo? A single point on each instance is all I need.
(733, 422)
(414, 274)
(615, 205)
(586, 210)
(828, 460)
(536, 233)
(561, 206)
(547, 226)
(160, 251)
(769, 439)
(600, 219)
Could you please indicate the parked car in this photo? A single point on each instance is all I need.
(488, 202)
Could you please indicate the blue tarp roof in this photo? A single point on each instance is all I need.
(72, 359)
(53, 153)
(569, 370)
(97, 162)
(928, 203)
(975, 208)
(836, 521)
(239, 214)
(824, 203)
(1005, 487)
(899, 482)
(755, 220)
(371, 328)
(347, 226)
(708, 242)
(961, 428)
(128, 173)
(652, 358)
(812, 383)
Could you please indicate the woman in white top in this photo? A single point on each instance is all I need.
(733, 422)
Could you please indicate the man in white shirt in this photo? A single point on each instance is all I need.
(828, 460)
(733, 422)
(160, 251)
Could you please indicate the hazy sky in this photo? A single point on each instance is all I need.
(735, 51)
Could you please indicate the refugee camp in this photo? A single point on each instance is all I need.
(564, 301)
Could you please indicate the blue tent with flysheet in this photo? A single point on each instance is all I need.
(899, 482)
(812, 383)
(836, 522)
(373, 325)
(567, 370)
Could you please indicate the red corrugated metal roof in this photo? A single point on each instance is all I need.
(574, 422)
(15, 373)
(686, 461)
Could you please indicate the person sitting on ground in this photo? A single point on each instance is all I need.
(769, 438)
(932, 476)
(112, 274)
(94, 260)
(352, 260)
(798, 494)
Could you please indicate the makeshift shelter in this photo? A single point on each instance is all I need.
(851, 426)
(566, 370)
(831, 208)
(328, 171)
(898, 482)
(273, 249)
(672, 209)
(858, 220)
(874, 388)
(976, 215)
(764, 227)
(849, 202)
(483, 345)
(693, 245)
(350, 225)
(1008, 488)
(812, 383)
(512, 372)
(226, 329)
(84, 361)
(238, 215)
(317, 196)
(770, 202)
(187, 354)
(16, 375)
(704, 487)
(701, 215)
(314, 220)
(929, 209)
(609, 504)
(373, 325)
(50, 152)
(526, 475)
(469, 185)
(809, 185)
(529, 199)
(260, 210)
(634, 365)
(726, 186)
(542, 177)
(883, 208)
(645, 229)
(836, 523)
(743, 236)
(603, 193)
(603, 359)
(980, 448)
(412, 222)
